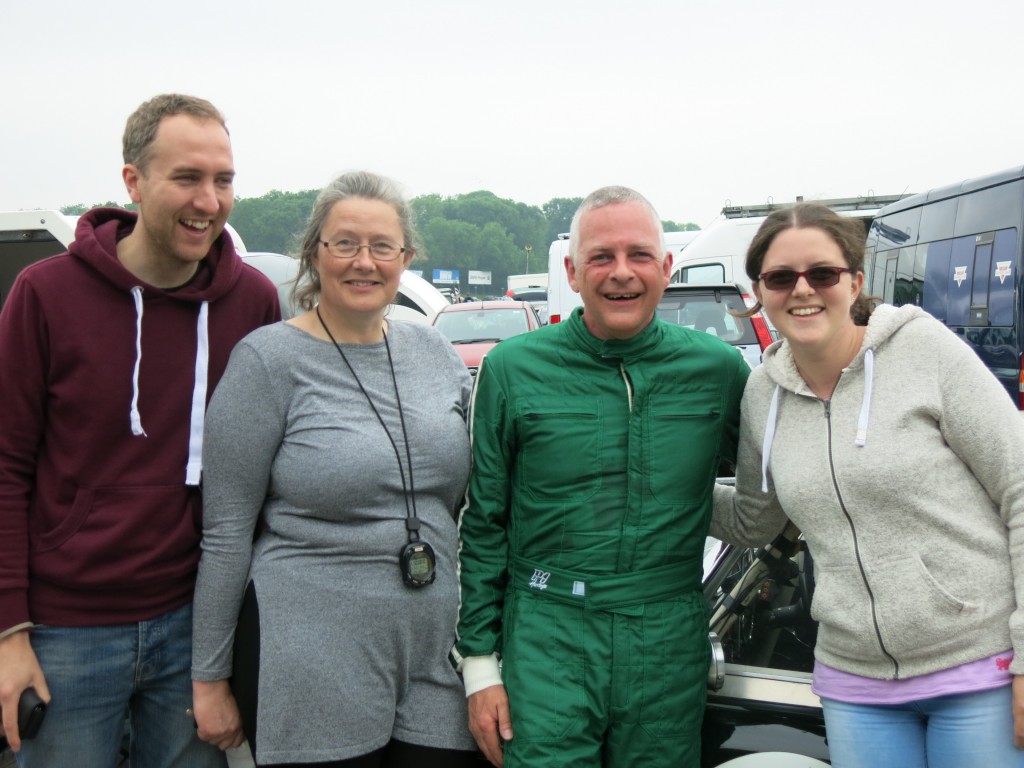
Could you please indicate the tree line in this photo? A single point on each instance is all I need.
(473, 231)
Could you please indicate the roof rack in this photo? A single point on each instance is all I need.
(836, 204)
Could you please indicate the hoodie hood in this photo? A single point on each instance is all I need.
(96, 238)
(780, 367)
(95, 244)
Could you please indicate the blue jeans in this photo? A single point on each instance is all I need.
(962, 731)
(98, 676)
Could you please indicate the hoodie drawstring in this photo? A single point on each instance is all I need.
(194, 467)
(862, 422)
(134, 416)
(865, 406)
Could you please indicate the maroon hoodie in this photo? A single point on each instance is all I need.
(100, 441)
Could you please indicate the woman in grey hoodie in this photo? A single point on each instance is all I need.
(886, 440)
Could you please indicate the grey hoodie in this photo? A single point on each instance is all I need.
(909, 487)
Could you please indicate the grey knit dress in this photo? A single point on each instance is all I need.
(349, 656)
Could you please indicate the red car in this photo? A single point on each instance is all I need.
(475, 327)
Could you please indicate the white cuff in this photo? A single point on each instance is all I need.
(479, 672)
(15, 629)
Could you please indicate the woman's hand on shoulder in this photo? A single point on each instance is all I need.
(216, 712)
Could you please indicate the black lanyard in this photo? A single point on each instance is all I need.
(412, 523)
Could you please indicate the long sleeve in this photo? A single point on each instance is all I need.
(744, 514)
(734, 398)
(244, 428)
(483, 524)
(983, 428)
(23, 392)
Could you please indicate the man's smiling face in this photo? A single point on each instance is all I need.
(621, 272)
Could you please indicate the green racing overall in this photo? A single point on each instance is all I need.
(583, 534)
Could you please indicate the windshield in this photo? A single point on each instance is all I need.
(532, 295)
(701, 312)
(482, 324)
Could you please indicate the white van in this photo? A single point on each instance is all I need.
(562, 299)
(719, 254)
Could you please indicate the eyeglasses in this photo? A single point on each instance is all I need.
(816, 277)
(347, 249)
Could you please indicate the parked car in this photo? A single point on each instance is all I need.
(536, 296)
(762, 635)
(708, 308)
(476, 327)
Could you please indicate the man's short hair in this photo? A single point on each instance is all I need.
(140, 130)
(613, 195)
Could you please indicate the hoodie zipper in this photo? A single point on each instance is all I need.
(856, 546)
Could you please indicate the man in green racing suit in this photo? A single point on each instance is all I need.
(596, 443)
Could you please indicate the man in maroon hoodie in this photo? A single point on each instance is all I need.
(108, 356)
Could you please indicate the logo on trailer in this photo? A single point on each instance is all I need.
(1002, 270)
(959, 274)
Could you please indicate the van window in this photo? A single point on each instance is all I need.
(701, 273)
(897, 229)
(937, 278)
(982, 265)
(404, 301)
(909, 283)
(937, 220)
(1001, 278)
(990, 209)
(960, 277)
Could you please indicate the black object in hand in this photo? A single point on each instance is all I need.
(31, 711)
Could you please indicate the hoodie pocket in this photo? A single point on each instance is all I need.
(912, 609)
(116, 535)
(915, 611)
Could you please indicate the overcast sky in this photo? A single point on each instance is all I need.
(696, 104)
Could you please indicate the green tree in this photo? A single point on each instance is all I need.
(559, 212)
(79, 208)
(672, 226)
(477, 230)
(274, 221)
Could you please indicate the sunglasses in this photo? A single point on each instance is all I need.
(816, 277)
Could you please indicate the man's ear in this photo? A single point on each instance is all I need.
(570, 270)
(131, 175)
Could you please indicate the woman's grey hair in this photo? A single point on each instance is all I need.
(363, 184)
(612, 196)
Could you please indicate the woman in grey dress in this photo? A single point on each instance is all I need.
(338, 440)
